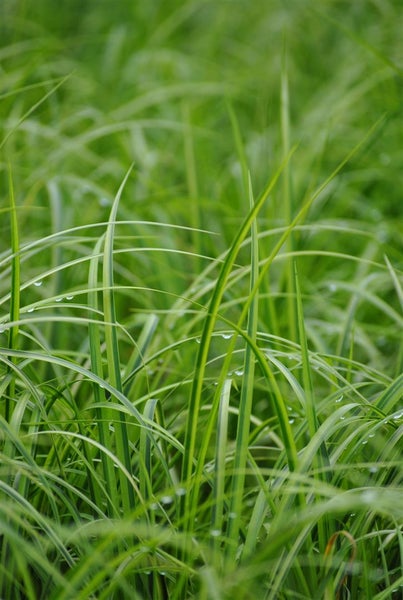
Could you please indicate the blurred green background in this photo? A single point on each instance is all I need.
(143, 76)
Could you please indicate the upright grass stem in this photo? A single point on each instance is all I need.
(245, 404)
(103, 415)
(112, 351)
(15, 291)
(287, 200)
(190, 501)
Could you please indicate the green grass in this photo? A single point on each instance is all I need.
(201, 300)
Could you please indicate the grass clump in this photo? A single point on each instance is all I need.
(201, 301)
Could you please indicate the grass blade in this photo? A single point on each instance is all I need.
(103, 415)
(219, 480)
(245, 405)
(15, 291)
(112, 348)
(209, 323)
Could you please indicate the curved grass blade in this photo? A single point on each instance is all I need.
(40, 520)
(33, 108)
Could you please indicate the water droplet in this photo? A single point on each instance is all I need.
(198, 340)
(364, 442)
(38, 283)
(232, 515)
(215, 532)
(226, 336)
(238, 372)
(332, 287)
(166, 499)
(58, 299)
(342, 418)
(291, 421)
(352, 514)
(153, 506)
(180, 491)
(339, 399)
(373, 469)
(371, 435)
(397, 416)
(69, 297)
(104, 202)
(31, 309)
(369, 496)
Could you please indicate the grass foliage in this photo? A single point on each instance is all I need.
(201, 300)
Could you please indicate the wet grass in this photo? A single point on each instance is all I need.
(201, 301)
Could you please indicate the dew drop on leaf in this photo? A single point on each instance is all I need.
(166, 499)
(226, 336)
(215, 532)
